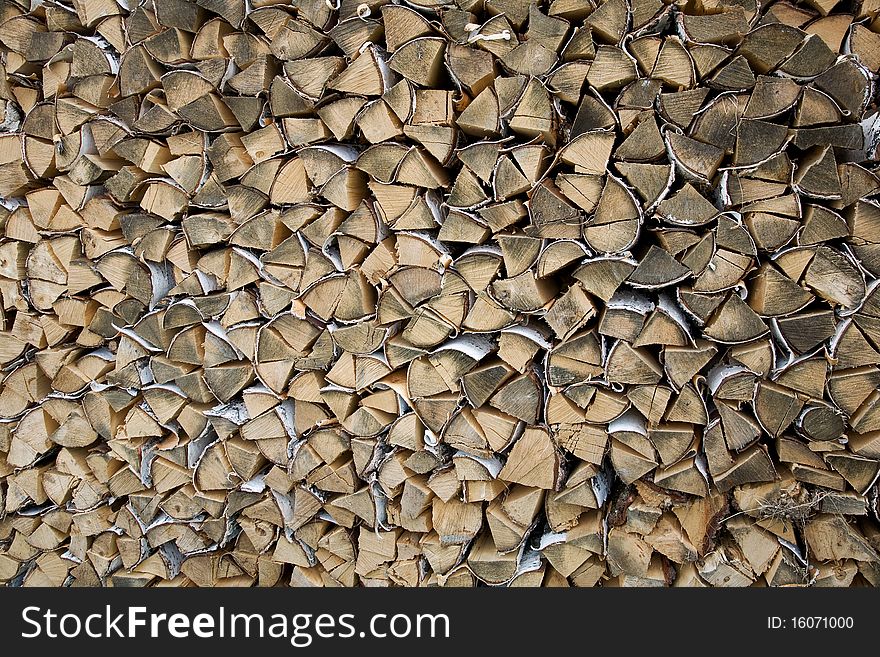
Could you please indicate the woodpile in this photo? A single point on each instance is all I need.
(439, 293)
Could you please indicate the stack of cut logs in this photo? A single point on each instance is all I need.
(439, 293)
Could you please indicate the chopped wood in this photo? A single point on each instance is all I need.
(439, 294)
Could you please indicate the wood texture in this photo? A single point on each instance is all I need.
(439, 294)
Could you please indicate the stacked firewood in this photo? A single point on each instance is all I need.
(439, 293)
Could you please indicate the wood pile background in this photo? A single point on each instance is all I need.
(331, 293)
